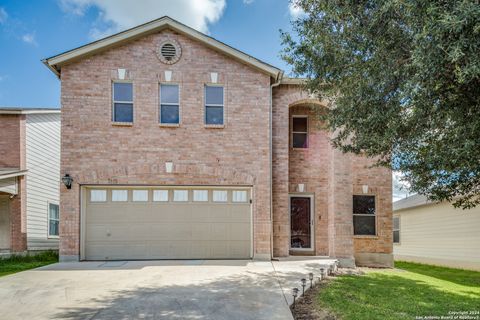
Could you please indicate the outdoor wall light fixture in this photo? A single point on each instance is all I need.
(365, 188)
(294, 294)
(304, 283)
(310, 276)
(168, 166)
(67, 181)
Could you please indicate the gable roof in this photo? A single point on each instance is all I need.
(413, 201)
(55, 63)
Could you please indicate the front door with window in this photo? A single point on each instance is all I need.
(301, 226)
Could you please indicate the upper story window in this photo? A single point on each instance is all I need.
(169, 104)
(364, 215)
(214, 101)
(122, 102)
(300, 132)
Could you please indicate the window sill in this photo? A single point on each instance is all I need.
(169, 125)
(214, 126)
(365, 237)
(53, 237)
(300, 149)
(122, 124)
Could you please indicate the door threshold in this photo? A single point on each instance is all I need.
(301, 253)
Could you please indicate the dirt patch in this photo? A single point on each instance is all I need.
(307, 308)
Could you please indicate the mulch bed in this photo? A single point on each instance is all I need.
(307, 308)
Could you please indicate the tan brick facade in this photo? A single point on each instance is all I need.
(95, 151)
(332, 178)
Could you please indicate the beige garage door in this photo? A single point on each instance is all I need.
(166, 223)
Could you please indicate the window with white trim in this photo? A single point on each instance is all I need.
(53, 219)
(119, 195)
(300, 132)
(122, 102)
(140, 195)
(160, 195)
(364, 218)
(200, 195)
(169, 104)
(98, 195)
(219, 196)
(180, 195)
(239, 196)
(214, 103)
(396, 229)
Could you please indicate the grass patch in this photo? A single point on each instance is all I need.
(404, 293)
(17, 263)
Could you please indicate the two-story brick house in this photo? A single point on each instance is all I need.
(181, 147)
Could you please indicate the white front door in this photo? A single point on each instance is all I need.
(4, 223)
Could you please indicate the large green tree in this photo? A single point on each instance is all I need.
(403, 79)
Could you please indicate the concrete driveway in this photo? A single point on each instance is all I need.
(196, 289)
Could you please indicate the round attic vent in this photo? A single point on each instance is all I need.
(169, 51)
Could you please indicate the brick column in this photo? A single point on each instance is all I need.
(340, 224)
(18, 235)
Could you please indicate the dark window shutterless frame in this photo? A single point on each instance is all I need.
(169, 109)
(214, 105)
(122, 106)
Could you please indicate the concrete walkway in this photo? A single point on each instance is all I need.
(193, 289)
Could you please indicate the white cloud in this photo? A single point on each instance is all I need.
(116, 15)
(29, 38)
(294, 10)
(248, 1)
(401, 189)
(3, 15)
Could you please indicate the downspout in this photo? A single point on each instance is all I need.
(277, 83)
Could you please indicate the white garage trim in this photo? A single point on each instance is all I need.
(222, 245)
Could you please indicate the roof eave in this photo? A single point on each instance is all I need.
(51, 67)
(13, 174)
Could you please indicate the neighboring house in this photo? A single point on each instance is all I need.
(29, 179)
(436, 233)
(181, 147)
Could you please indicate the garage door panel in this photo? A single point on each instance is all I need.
(166, 230)
(121, 250)
(239, 249)
(201, 231)
(239, 232)
(240, 213)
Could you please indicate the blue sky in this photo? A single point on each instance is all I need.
(33, 30)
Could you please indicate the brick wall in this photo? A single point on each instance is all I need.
(311, 167)
(10, 141)
(379, 181)
(18, 233)
(95, 151)
(282, 97)
(333, 178)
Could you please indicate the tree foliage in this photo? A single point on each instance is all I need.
(403, 77)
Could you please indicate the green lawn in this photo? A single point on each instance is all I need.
(18, 263)
(406, 292)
